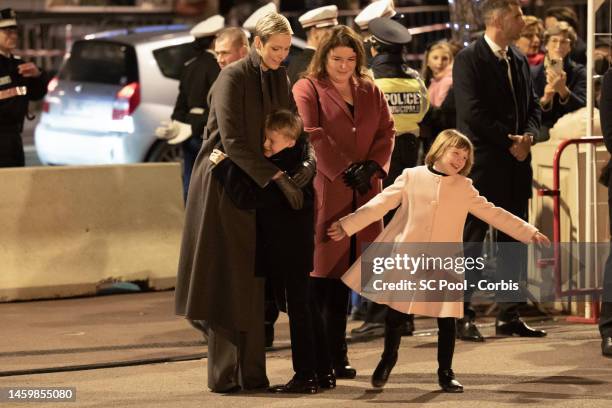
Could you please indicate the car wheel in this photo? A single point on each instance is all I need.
(164, 152)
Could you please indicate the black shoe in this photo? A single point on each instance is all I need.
(345, 372)
(383, 371)
(467, 330)
(446, 379)
(606, 346)
(518, 327)
(200, 325)
(368, 329)
(327, 381)
(269, 329)
(298, 386)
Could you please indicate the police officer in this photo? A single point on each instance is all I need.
(407, 98)
(317, 23)
(191, 109)
(20, 82)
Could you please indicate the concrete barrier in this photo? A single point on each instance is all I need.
(66, 230)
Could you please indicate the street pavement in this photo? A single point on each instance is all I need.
(165, 364)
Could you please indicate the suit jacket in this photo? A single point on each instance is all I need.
(197, 77)
(486, 114)
(299, 64)
(432, 208)
(216, 272)
(339, 139)
(605, 113)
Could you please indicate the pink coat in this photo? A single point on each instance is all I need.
(339, 139)
(432, 208)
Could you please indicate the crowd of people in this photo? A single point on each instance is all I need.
(290, 174)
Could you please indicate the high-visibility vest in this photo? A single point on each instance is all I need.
(408, 101)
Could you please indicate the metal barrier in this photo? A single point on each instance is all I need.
(556, 260)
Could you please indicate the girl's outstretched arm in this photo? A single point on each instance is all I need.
(376, 208)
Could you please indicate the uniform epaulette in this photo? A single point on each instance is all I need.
(413, 73)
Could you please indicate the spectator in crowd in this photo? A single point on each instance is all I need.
(351, 129)
(437, 73)
(217, 279)
(554, 15)
(530, 41)
(499, 111)
(558, 81)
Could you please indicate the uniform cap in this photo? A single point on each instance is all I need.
(8, 18)
(208, 27)
(380, 8)
(388, 31)
(320, 17)
(261, 12)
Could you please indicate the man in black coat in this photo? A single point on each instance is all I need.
(605, 319)
(317, 23)
(191, 109)
(499, 111)
(20, 82)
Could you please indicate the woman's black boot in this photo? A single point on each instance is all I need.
(446, 379)
(393, 337)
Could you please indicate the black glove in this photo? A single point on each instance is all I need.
(292, 192)
(308, 169)
(306, 172)
(358, 175)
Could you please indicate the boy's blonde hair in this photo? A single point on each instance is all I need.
(451, 138)
(286, 122)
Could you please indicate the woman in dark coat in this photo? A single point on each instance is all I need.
(558, 81)
(217, 280)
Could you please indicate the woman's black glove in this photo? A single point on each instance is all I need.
(358, 175)
(291, 190)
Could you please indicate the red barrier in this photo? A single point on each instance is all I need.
(556, 260)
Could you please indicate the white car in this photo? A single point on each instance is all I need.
(112, 91)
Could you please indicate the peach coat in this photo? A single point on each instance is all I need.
(432, 208)
(339, 139)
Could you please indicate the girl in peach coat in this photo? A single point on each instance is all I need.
(433, 201)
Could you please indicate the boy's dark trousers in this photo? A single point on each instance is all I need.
(605, 318)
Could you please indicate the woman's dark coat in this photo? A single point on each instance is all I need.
(217, 262)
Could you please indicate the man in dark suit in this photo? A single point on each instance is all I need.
(499, 111)
(605, 319)
(317, 23)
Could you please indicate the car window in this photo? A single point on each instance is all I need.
(101, 62)
(171, 59)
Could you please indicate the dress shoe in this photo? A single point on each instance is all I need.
(517, 327)
(327, 380)
(467, 330)
(368, 329)
(297, 385)
(606, 346)
(345, 372)
(393, 338)
(446, 379)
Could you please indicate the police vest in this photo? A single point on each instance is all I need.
(407, 99)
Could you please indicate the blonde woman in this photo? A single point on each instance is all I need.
(217, 279)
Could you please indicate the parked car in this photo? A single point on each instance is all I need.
(110, 94)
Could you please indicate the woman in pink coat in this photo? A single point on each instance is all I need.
(352, 132)
(433, 201)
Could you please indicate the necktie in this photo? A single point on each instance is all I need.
(504, 60)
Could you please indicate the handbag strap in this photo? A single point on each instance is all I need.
(317, 97)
